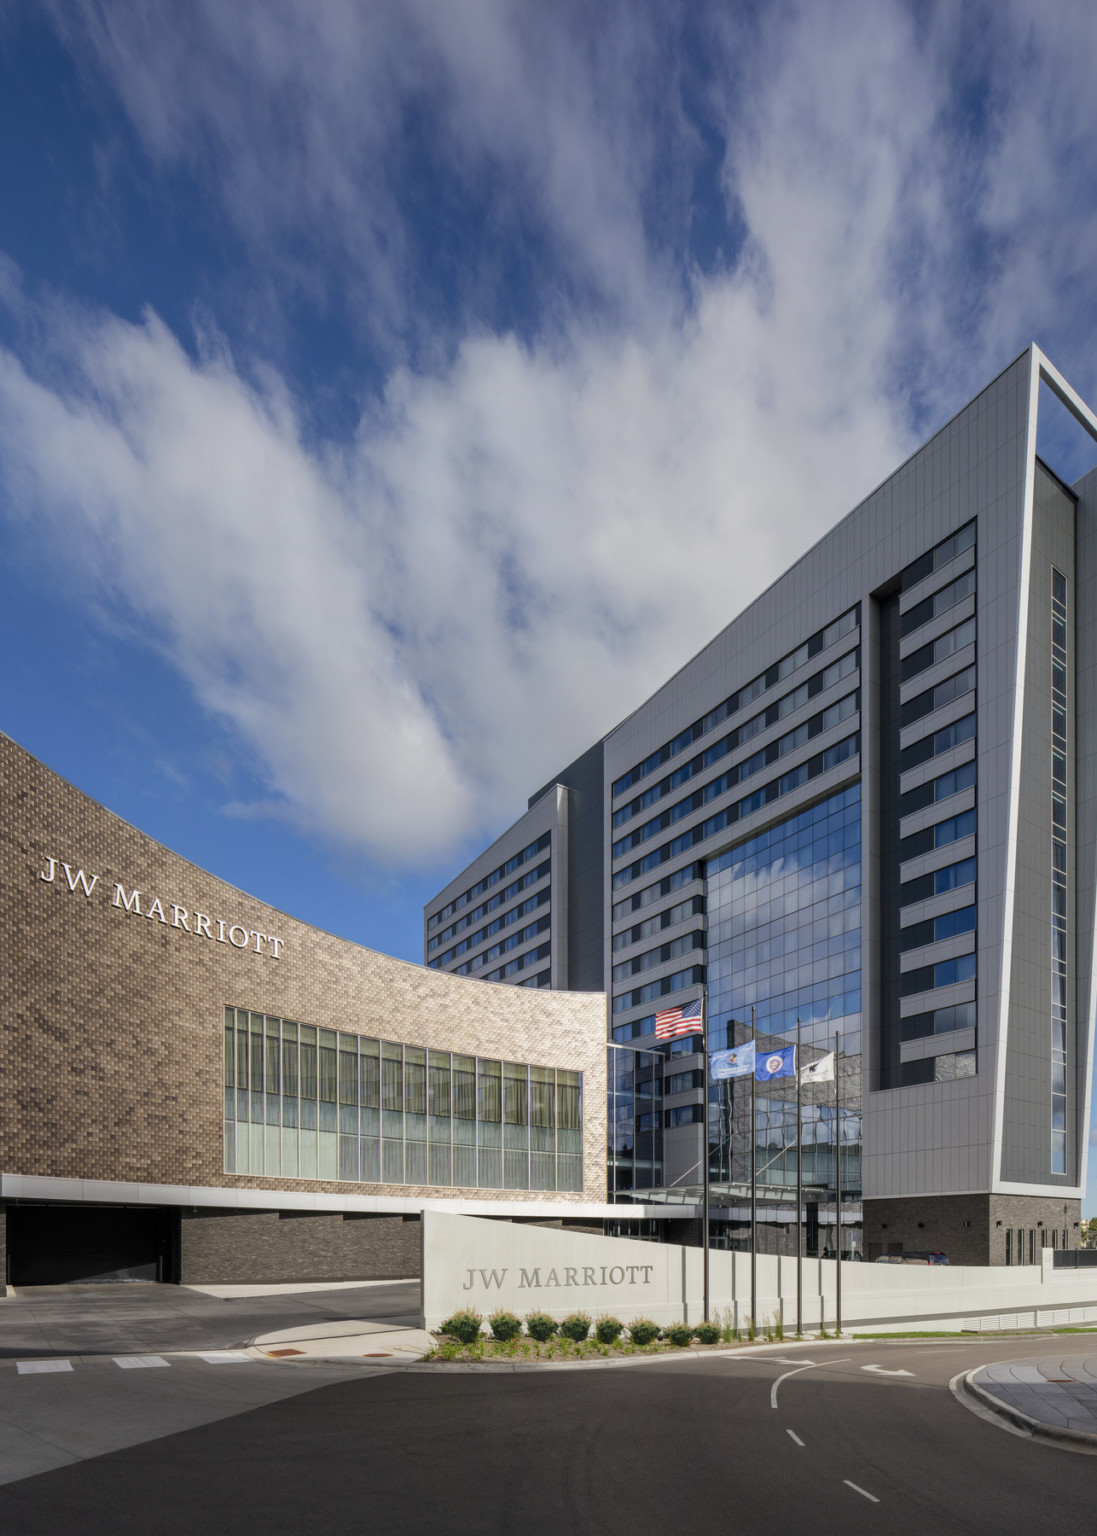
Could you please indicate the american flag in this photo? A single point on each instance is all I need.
(685, 1019)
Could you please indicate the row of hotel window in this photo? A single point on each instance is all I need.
(826, 720)
(822, 762)
(937, 557)
(489, 880)
(942, 648)
(512, 967)
(773, 675)
(310, 1103)
(504, 946)
(945, 785)
(931, 607)
(791, 702)
(921, 751)
(938, 1069)
(936, 604)
(531, 877)
(1059, 705)
(962, 873)
(693, 906)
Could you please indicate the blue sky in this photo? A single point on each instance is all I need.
(388, 392)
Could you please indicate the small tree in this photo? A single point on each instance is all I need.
(1089, 1233)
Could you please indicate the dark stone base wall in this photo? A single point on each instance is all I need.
(971, 1229)
(269, 1247)
(3, 1251)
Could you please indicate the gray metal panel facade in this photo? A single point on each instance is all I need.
(962, 1134)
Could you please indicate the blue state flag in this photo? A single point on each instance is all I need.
(776, 1064)
(734, 1063)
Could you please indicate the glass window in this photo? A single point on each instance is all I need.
(308, 1062)
(784, 911)
(392, 1094)
(348, 1070)
(438, 1068)
(489, 1091)
(464, 1087)
(328, 1073)
(515, 1090)
(369, 1074)
(415, 1081)
(257, 1053)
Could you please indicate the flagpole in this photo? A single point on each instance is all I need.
(753, 1182)
(799, 1194)
(705, 1147)
(837, 1194)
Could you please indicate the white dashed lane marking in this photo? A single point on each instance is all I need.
(871, 1497)
(794, 1436)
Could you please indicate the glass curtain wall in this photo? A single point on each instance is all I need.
(785, 938)
(635, 1119)
(306, 1103)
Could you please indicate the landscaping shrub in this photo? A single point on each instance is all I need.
(643, 1331)
(679, 1334)
(607, 1330)
(540, 1326)
(504, 1326)
(576, 1326)
(708, 1333)
(463, 1326)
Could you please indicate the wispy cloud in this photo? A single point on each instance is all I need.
(533, 524)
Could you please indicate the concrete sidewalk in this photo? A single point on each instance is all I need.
(1054, 1397)
(351, 1338)
(151, 1319)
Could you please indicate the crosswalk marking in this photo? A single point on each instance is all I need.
(138, 1362)
(41, 1367)
(226, 1357)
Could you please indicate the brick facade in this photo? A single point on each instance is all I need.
(263, 1247)
(971, 1229)
(111, 1022)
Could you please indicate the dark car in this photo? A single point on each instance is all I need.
(913, 1258)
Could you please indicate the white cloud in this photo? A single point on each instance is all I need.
(412, 631)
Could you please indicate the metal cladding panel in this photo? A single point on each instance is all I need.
(938, 1137)
(1085, 783)
(1026, 1133)
(585, 781)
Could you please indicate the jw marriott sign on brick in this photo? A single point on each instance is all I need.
(136, 903)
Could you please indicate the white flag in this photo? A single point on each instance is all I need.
(821, 1071)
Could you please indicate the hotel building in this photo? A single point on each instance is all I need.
(867, 809)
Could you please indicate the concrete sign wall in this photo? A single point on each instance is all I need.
(485, 1265)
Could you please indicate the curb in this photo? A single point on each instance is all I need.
(964, 1386)
(479, 1367)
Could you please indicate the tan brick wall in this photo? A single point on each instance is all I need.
(111, 1024)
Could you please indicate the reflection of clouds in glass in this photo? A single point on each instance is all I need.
(784, 925)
